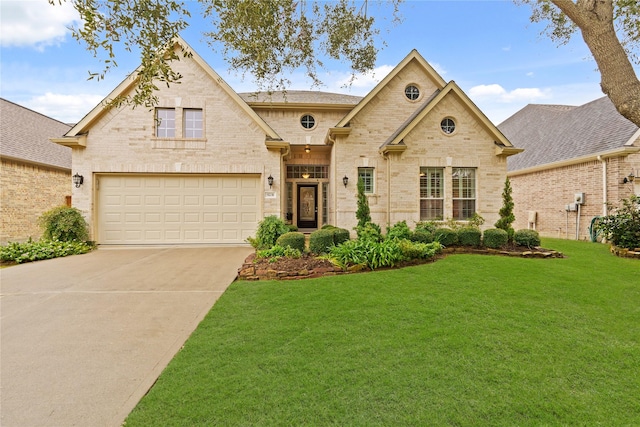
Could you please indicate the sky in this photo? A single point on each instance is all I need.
(490, 48)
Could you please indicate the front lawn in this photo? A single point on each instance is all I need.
(467, 340)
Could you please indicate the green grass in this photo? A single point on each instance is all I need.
(467, 340)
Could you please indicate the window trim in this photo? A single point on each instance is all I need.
(425, 171)
(409, 95)
(185, 121)
(369, 183)
(159, 123)
(454, 125)
(302, 121)
(461, 189)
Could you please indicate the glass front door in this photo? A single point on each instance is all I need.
(307, 206)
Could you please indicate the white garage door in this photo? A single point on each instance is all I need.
(142, 209)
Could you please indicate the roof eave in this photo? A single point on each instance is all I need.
(396, 148)
(504, 151)
(76, 141)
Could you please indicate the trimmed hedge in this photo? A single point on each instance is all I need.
(399, 231)
(528, 238)
(422, 236)
(340, 235)
(495, 238)
(445, 236)
(469, 236)
(293, 239)
(321, 241)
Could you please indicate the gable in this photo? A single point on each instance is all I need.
(76, 135)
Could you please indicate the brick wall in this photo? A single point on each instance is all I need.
(27, 191)
(548, 192)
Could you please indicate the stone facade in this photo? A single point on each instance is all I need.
(27, 191)
(547, 192)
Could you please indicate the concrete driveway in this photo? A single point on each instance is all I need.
(84, 337)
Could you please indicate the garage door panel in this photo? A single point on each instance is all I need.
(177, 209)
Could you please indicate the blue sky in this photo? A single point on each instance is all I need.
(489, 48)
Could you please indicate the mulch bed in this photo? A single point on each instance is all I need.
(308, 265)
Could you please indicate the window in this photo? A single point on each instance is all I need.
(464, 193)
(448, 126)
(165, 122)
(308, 121)
(412, 92)
(366, 175)
(192, 123)
(307, 171)
(431, 194)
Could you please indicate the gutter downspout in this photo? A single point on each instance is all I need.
(604, 185)
(388, 159)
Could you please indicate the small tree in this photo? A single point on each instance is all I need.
(506, 212)
(64, 224)
(363, 214)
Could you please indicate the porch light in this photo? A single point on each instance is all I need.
(345, 181)
(78, 180)
(306, 175)
(270, 180)
(629, 178)
(307, 149)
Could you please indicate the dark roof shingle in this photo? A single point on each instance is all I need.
(300, 97)
(551, 133)
(24, 135)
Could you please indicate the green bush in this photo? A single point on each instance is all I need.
(269, 229)
(422, 236)
(327, 226)
(292, 227)
(426, 226)
(292, 239)
(622, 228)
(399, 230)
(43, 249)
(469, 236)
(445, 236)
(416, 250)
(321, 241)
(528, 238)
(277, 251)
(495, 238)
(340, 235)
(369, 231)
(64, 224)
(366, 252)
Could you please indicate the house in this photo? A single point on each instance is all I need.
(35, 174)
(577, 159)
(207, 164)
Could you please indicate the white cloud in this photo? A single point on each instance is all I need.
(34, 22)
(65, 108)
(500, 94)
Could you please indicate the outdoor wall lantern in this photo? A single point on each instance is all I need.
(78, 180)
(345, 181)
(270, 180)
(307, 149)
(629, 178)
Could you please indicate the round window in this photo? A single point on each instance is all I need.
(412, 92)
(448, 126)
(308, 121)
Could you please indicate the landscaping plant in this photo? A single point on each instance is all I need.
(528, 238)
(469, 236)
(363, 213)
(495, 238)
(64, 224)
(292, 239)
(622, 227)
(269, 229)
(44, 249)
(321, 241)
(399, 230)
(506, 211)
(276, 252)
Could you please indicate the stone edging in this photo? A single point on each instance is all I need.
(249, 272)
(625, 253)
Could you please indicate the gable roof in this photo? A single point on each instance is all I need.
(129, 82)
(300, 97)
(25, 136)
(412, 56)
(553, 133)
(504, 146)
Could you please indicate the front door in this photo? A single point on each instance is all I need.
(307, 206)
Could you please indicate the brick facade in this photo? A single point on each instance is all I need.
(548, 191)
(27, 191)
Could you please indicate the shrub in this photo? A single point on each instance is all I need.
(469, 236)
(528, 238)
(366, 252)
(506, 211)
(370, 231)
(622, 228)
(422, 236)
(292, 227)
(269, 229)
(278, 251)
(363, 213)
(399, 230)
(43, 249)
(445, 236)
(321, 241)
(327, 226)
(416, 250)
(64, 224)
(340, 235)
(292, 239)
(426, 226)
(495, 238)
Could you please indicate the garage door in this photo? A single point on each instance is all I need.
(139, 209)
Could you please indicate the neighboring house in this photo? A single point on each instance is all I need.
(35, 173)
(207, 164)
(588, 150)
